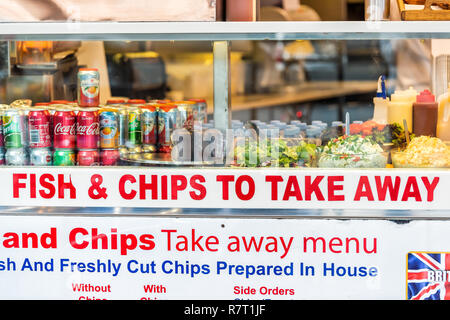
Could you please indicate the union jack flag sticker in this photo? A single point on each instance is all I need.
(428, 276)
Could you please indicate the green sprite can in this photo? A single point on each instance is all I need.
(134, 128)
(64, 157)
(15, 128)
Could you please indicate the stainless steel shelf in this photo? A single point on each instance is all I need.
(188, 31)
(401, 215)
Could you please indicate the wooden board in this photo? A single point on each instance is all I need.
(427, 13)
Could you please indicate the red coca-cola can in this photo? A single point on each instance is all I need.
(109, 157)
(88, 129)
(39, 128)
(64, 129)
(88, 157)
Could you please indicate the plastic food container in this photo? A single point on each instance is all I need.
(402, 159)
(372, 160)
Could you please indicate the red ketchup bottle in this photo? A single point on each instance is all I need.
(425, 113)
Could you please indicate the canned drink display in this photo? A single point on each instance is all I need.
(39, 129)
(134, 129)
(109, 157)
(200, 110)
(88, 87)
(15, 128)
(64, 157)
(185, 115)
(16, 157)
(109, 128)
(41, 157)
(88, 129)
(64, 129)
(167, 117)
(88, 157)
(149, 128)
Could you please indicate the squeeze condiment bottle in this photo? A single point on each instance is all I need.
(400, 107)
(443, 121)
(425, 114)
(380, 103)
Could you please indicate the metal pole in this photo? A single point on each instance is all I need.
(222, 85)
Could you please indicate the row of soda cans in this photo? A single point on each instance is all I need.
(60, 129)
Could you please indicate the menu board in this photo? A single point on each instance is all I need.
(226, 188)
(153, 258)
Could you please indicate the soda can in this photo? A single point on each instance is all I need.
(41, 157)
(15, 128)
(88, 129)
(88, 157)
(185, 115)
(88, 87)
(64, 129)
(200, 110)
(109, 128)
(64, 157)
(149, 128)
(2, 156)
(167, 116)
(109, 157)
(16, 157)
(39, 128)
(134, 129)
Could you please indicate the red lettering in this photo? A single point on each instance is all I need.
(169, 232)
(127, 242)
(179, 183)
(251, 187)
(411, 190)
(130, 195)
(292, 189)
(65, 185)
(197, 186)
(364, 189)
(17, 184)
(32, 186)
(163, 187)
(96, 237)
(313, 187)
(332, 188)
(43, 180)
(147, 242)
(274, 185)
(144, 186)
(430, 187)
(387, 185)
(225, 179)
(73, 238)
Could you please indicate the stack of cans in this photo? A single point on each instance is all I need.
(15, 135)
(64, 136)
(88, 128)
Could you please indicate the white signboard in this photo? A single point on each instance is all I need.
(226, 188)
(86, 258)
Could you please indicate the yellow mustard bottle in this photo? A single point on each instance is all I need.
(443, 122)
(400, 107)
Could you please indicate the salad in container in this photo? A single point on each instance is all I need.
(353, 151)
(422, 152)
